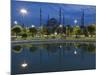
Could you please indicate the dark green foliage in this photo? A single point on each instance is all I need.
(33, 48)
(52, 48)
(87, 47)
(91, 48)
(76, 30)
(91, 29)
(24, 35)
(44, 30)
(85, 32)
(69, 30)
(17, 48)
(33, 31)
(16, 30)
(61, 30)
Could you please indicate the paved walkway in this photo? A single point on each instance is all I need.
(50, 41)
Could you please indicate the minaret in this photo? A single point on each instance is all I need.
(68, 21)
(48, 17)
(59, 16)
(63, 19)
(40, 16)
(82, 19)
(82, 22)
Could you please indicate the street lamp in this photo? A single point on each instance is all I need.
(33, 26)
(55, 33)
(15, 22)
(23, 11)
(60, 26)
(75, 21)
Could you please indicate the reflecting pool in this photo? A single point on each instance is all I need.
(36, 58)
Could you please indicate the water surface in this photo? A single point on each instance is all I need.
(52, 57)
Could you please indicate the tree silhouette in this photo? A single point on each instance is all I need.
(91, 29)
(85, 32)
(17, 48)
(33, 48)
(52, 48)
(16, 29)
(91, 48)
(76, 30)
(61, 30)
(33, 31)
(44, 30)
(24, 35)
(69, 30)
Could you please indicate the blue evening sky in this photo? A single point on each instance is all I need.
(70, 12)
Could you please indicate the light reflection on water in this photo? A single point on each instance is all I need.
(52, 57)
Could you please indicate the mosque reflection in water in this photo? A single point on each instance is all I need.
(33, 58)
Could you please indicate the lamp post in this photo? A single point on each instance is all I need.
(75, 23)
(23, 11)
(61, 28)
(33, 26)
(55, 33)
(40, 16)
(15, 22)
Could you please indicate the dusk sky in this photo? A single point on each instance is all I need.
(70, 11)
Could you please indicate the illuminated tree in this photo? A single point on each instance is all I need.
(33, 31)
(16, 29)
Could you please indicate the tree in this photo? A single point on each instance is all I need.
(16, 29)
(33, 48)
(44, 30)
(52, 48)
(68, 29)
(25, 30)
(85, 32)
(82, 27)
(92, 29)
(76, 30)
(17, 49)
(61, 30)
(24, 35)
(91, 48)
(33, 31)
